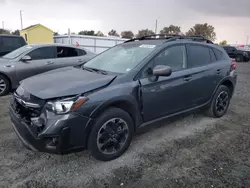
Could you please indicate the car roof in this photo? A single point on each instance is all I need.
(53, 44)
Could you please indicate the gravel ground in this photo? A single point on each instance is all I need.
(187, 151)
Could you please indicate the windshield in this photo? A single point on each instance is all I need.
(16, 53)
(120, 59)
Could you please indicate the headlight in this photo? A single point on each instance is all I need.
(66, 105)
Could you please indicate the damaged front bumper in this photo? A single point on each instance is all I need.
(59, 134)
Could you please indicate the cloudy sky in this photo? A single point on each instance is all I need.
(231, 18)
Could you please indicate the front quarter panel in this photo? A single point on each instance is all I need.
(9, 70)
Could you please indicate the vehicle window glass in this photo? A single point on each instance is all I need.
(64, 52)
(198, 56)
(174, 56)
(213, 58)
(42, 53)
(121, 58)
(81, 52)
(16, 53)
(11, 43)
(218, 54)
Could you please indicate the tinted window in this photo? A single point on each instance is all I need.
(218, 54)
(42, 53)
(174, 56)
(12, 43)
(198, 56)
(213, 58)
(63, 52)
(81, 52)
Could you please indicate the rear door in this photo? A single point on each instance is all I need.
(43, 59)
(69, 56)
(204, 73)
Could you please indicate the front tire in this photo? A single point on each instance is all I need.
(111, 134)
(220, 102)
(4, 85)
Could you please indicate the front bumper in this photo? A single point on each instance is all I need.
(63, 134)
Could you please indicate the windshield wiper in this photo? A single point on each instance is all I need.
(95, 70)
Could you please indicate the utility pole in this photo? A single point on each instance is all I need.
(3, 24)
(21, 18)
(156, 24)
(247, 40)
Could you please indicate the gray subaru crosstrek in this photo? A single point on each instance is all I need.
(101, 104)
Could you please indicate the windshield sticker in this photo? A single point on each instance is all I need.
(147, 46)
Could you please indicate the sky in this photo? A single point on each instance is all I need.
(231, 18)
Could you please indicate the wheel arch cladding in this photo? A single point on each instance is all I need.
(229, 85)
(123, 104)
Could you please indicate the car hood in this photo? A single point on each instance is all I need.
(64, 82)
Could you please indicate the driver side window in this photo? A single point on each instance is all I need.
(174, 56)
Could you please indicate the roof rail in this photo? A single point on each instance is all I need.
(172, 37)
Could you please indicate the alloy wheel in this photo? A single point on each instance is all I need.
(112, 136)
(222, 102)
(2, 86)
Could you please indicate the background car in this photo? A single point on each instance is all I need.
(9, 43)
(34, 59)
(239, 54)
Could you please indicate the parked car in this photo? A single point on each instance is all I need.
(34, 59)
(239, 54)
(8, 43)
(102, 104)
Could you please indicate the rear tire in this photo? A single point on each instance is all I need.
(239, 58)
(220, 102)
(111, 134)
(4, 85)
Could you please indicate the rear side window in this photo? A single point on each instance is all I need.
(198, 56)
(81, 52)
(213, 57)
(64, 52)
(218, 54)
(43, 53)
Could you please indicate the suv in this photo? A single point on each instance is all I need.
(8, 43)
(100, 105)
(240, 54)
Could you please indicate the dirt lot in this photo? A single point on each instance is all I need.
(188, 151)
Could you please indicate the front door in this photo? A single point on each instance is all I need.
(167, 95)
(42, 60)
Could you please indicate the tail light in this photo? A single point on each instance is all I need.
(233, 65)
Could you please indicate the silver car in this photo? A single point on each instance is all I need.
(34, 59)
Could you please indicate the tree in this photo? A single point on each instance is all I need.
(86, 32)
(204, 30)
(172, 29)
(99, 34)
(127, 34)
(16, 32)
(56, 34)
(223, 43)
(113, 33)
(4, 31)
(144, 32)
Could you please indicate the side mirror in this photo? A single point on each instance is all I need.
(162, 70)
(26, 58)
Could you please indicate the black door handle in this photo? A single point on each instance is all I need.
(218, 71)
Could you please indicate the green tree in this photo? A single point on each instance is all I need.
(87, 32)
(4, 31)
(99, 34)
(16, 32)
(127, 34)
(113, 33)
(172, 29)
(205, 30)
(56, 33)
(223, 43)
(144, 32)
